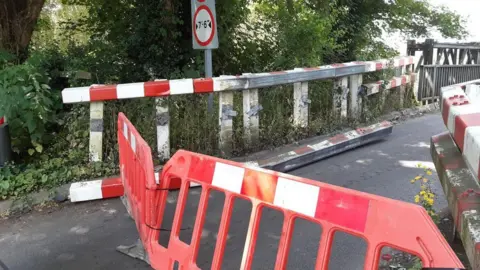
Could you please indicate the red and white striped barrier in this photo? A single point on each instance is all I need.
(461, 115)
(224, 83)
(105, 189)
(96, 189)
(374, 88)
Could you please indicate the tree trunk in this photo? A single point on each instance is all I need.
(17, 22)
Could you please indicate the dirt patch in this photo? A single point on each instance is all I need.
(402, 115)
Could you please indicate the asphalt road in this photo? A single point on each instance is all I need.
(84, 236)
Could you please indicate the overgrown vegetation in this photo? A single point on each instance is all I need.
(129, 41)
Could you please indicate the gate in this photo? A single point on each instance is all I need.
(433, 77)
(379, 221)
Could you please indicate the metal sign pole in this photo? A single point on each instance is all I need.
(204, 35)
(208, 74)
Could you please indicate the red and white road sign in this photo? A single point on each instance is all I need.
(204, 26)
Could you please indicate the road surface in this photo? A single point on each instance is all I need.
(84, 236)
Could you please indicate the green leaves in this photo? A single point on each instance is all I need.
(17, 180)
(27, 102)
(4, 185)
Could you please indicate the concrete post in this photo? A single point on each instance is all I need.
(226, 114)
(340, 93)
(251, 109)
(402, 87)
(300, 104)
(162, 120)
(355, 102)
(96, 131)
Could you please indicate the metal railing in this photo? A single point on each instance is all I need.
(434, 77)
(346, 100)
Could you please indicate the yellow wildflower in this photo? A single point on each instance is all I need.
(429, 172)
(422, 192)
(418, 177)
(430, 201)
(417, 198)
(412, 181)
(425, 180)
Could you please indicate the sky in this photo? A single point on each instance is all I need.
(466, 8)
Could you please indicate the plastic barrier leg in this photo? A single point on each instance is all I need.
(136, 251)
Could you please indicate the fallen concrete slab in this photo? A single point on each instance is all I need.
(321, 149)
(462, 191)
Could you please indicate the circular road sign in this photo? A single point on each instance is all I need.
(203, 25)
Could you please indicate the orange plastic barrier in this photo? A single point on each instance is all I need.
(379, 221)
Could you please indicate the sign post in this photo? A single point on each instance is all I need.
(204, 34)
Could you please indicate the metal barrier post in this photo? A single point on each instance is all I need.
(5, 144)
(96, 131)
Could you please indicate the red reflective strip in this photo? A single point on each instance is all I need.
(278, 72)
(393, 83)
(461, 123)
(303, 150)
(404, 80)
(112, 187)
(402, 62)
(379, 66)
(203, 85)
(338, 138)
(343, 209)
(157, 88)
(259, 185)
(2, 120)
(201, 169)
(446, 110)
(456, 100)
(104, 92)
(363, 131)
(386, 124)
(453, 165)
